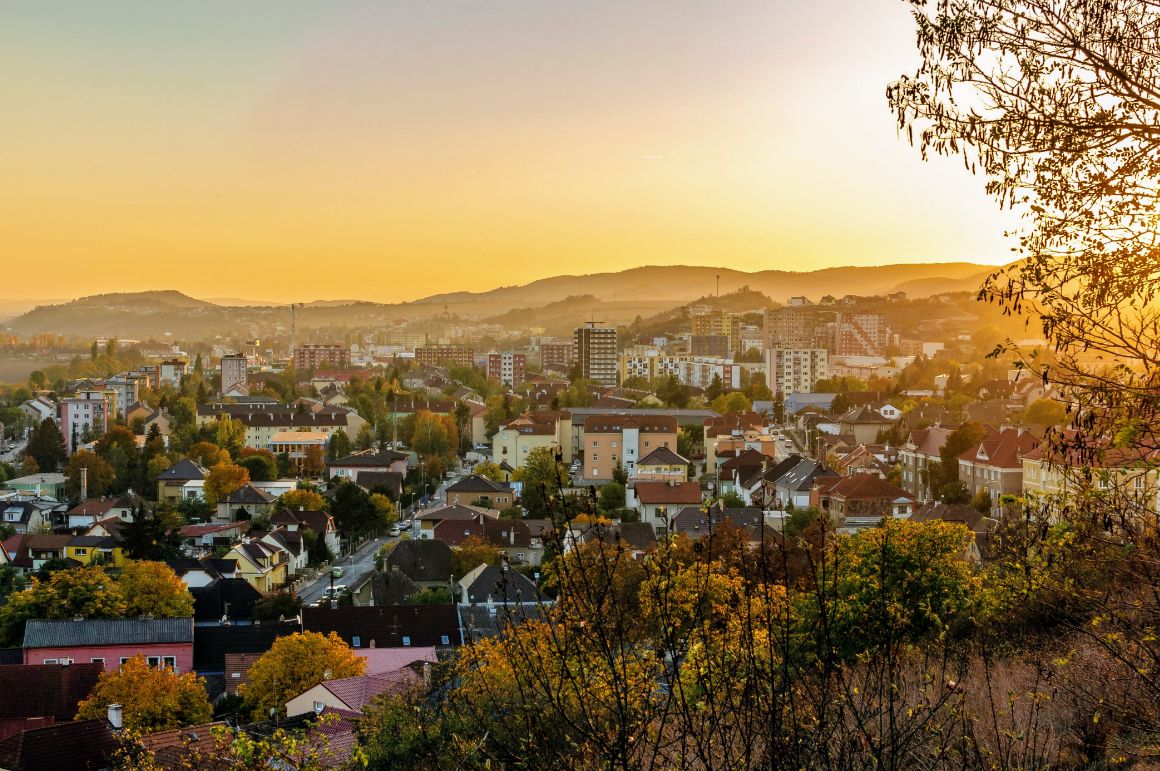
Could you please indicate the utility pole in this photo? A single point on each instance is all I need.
(718, 286)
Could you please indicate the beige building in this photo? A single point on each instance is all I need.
(513, 442)
(1131, 472)
(719, 323)
(622, 439)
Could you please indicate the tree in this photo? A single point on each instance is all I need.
(46, 446)
(432, 595)
(339, 446)
(489, 470)
(152, 588)
(470, 554)
(294, 664)
(207, 454)
(302, 499)
(385, 512)
(313, 462)
(261, 464)
(541, 474)
(100, 474)
(275, 606)
(151, 698)
(223, 479)
(734, 401)
(354, 514)
(620, 473)
(153, 534)
(611, 497)
(89, 592)
(732, 500)
(1045, 412)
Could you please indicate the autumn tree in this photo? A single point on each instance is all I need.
(207, 454)
(100, 474)
(470, 554)
(294, 664)
(152, 588)
(734, 401)
(262, 465)
(152, 698)
(301, 498)
(89, 592)
(542, 475)
(490, 470)
(313, 462)
(223, 479)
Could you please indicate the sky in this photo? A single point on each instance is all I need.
(390, 150)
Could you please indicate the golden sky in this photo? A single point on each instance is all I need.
(283, 150)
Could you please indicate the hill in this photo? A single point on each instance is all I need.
(556, 303)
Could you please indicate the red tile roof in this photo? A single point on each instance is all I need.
(668, 492)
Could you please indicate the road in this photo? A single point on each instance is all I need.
(363, 562)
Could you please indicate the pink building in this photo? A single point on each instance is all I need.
(110, 642)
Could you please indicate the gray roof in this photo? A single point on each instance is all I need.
(182, 471)
(801, 477)
(58, 633)
(684, 417)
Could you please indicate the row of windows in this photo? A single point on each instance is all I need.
(169, 662)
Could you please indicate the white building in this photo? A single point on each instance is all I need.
(87, 411)
(234, 375)
(795, 370)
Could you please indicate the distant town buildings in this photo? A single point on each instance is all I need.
(556, 356)
(234, 375)
(594, 347)
(444, 356)
(795, 370)
(718, 323)
(311, 357)
(507, 367)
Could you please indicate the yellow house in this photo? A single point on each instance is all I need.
(260, 564)
(1133, 473)
(662, 465)
(95, 550)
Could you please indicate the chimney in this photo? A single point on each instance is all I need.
(84, 483)
(513, 535)
(115, 716)
(372, 643)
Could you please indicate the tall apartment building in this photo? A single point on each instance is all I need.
(795, 370)
(697, 371)
(861, 334)
(795, 327)
(234, 374)
(81, 413)
(172, 371)
(709, 345)
(594, 347)
(507, 367)
(310, 357)
(719, 323)
(444, 356)
(556, 356)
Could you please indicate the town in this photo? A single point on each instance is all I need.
(305, 527)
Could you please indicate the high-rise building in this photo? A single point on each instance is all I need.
(795, 370)
(719, 323)
(311, 357)
(594, 348)
(709, 345)
(791, 328)
(83, 415)
(861, 334)
(507, 367)
(556, 356)
(233, 372)
(444, 356)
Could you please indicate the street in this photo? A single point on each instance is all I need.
(353, 570)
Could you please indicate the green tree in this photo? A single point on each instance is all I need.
(489, 470)
(734, 401)
(275, 606)
(541, 475)
(611, 497)
(339, 446)
(1046, 412)
(354, 514)
(154, 534)
(261, 465)
(46, 446)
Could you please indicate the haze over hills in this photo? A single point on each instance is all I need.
(611, 297)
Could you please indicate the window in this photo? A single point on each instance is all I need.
(614, 444)
(170, 661)
(445, 640)
(406, 640)
(153, 661)
(1139, 482)
(319, 706)
(595, 457)
(52, 661)
(124, 660)
(595, 443)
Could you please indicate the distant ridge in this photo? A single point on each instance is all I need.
(618, 297)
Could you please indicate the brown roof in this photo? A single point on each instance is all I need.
(238, 668)
(453, 532)
(46, 690)
(662, 456)
(862, 487)
(60, 747)
(733, 421)
(615, 424)
(357, 692)
(929, 441)
(1002, 449)
(93, 507)
(386, 626)
(668, 492)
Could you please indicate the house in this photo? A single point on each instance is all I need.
(91, 510)
(729, 431)
(263, 420)
(397, 626)
(696, 523)
(224, 600)
(622, 440)
(350, 693)
(381, 661)
(95, 550)
(792, 489)
(36, 410)
(29, 514)
(996, 464)
(514, 538)
(492, 585)
(319, 521)
(46, 484)
(863, 423)
(368, 460)
(638, 538)
(212, 641)
(49, 693)
(110, 642)
(182, 748)
(264, 566)
(477, 490)
(247, 502)
(290, 542)
(514, 440)
(662, 465)
(171, 483)
(426, 523)
(426, 562)
(199, 540)
(389, 483)
(656, 500)
(1132, 473)
(860, 500)
(28, 553)
(922, 447)
(79, 744)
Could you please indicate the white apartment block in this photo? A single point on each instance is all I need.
(795, 370)
(87, 411)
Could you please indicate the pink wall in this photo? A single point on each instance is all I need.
(112, 654)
